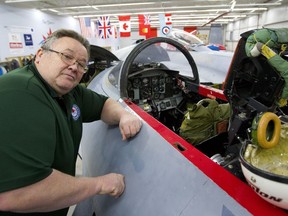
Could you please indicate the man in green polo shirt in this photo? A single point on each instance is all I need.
(42, 108)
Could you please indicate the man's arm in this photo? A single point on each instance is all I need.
(59, 191)
(114, 113)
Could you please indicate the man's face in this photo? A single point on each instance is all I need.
(61, 76)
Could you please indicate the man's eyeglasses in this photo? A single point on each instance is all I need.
(70, 60)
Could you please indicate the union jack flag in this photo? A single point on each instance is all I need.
(144, 24)
(104, 27)
(147, 19)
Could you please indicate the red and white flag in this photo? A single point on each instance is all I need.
(124, 26)
(114, 31)
(144, 24)
(168, 19)
(85, 27)
(165, 24)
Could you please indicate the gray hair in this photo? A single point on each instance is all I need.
(66, 33)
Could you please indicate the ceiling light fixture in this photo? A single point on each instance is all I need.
(221, 7)
(124, 4)
(233, 5)
(53, 10)
(119, 13)
(19, 1)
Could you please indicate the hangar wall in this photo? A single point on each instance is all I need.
(14, 21)
(37, 24)
(273, 18)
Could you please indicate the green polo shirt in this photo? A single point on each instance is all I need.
(38, 130)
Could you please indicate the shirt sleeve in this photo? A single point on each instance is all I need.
(27, 140)
(91, 104)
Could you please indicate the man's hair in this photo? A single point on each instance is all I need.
(66, 33)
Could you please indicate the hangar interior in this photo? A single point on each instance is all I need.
(234, 17)
(214, 21)
(219, 22)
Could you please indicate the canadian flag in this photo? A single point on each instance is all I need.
(124, 26)
(168, 19)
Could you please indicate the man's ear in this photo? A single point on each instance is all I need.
(38, 55)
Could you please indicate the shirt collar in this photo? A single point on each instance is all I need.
(51, 91)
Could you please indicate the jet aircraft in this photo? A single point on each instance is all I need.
(164, 173)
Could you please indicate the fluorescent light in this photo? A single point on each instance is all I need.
(165, 9)
(53, 10)
(249, 9)
(123, 4)
(18, 1)
(67, 8)
(233, 5)
(92, 13)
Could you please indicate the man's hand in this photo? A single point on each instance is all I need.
(113, 113)
(58, 191)
(112, 184)
(129, 125)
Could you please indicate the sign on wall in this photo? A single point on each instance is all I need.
(15, 43)
(28, 40)
(19, 38)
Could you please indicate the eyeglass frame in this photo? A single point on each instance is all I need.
(67, 57)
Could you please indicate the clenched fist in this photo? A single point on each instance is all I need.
(112, 184)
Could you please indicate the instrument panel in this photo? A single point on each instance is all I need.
(154, 86)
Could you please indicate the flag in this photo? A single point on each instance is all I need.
(190, 29)
(168, 19)
(153, 33)
(144, 24)
(94, 29)
(85, 27)
(165, 27)
(124, 26)
(45, 37)
(104, 27)
(114, 31)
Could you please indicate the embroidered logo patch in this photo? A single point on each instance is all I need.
(75, 112)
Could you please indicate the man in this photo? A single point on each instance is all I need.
(41, 114)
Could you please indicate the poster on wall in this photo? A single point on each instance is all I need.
(19, 39)
(28, 40)
(15, 43)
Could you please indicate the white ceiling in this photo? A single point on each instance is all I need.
(184, 12)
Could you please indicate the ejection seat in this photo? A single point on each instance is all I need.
(252, 86)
